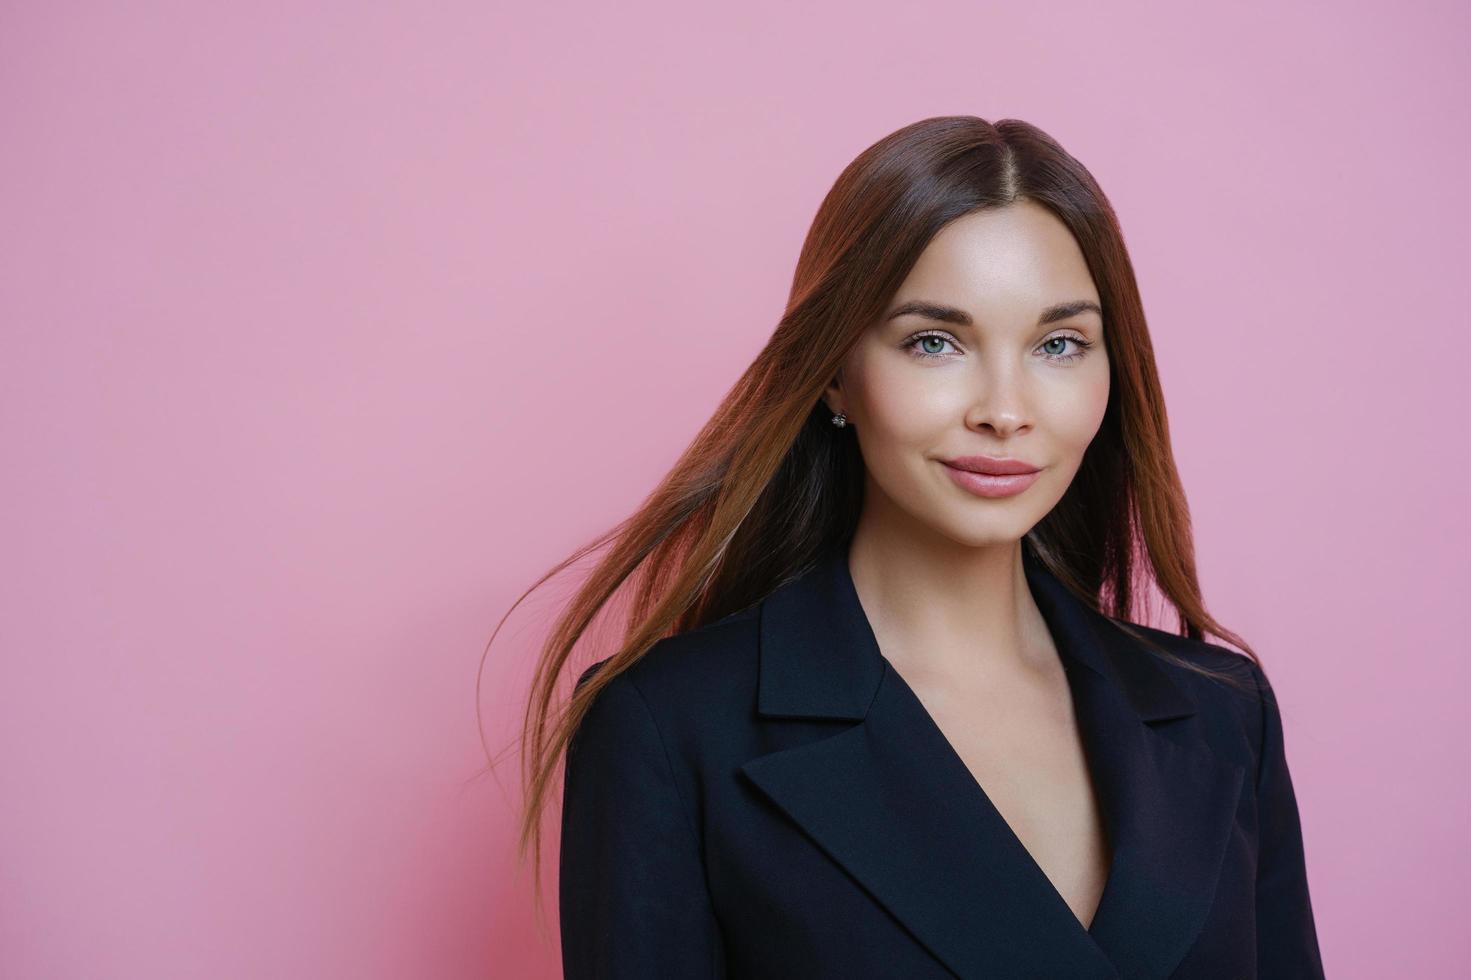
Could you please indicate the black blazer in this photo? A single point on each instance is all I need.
(766, 797)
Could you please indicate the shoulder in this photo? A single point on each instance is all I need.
(1239, 705)
(684, 658)
(699, 676)
(1204, 653)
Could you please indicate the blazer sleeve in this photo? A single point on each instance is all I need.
(633, 899)
(1287, 938)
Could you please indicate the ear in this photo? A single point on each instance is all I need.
(832, 395)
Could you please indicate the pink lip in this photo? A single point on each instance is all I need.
(993, 465)
(1013, 478)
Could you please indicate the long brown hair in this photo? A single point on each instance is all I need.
(769, 484)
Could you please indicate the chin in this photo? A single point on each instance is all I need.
(990, 533)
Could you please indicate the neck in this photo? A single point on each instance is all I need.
(945, 609)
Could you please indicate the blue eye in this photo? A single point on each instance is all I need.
(916, 346)
(924, 337)
(1082, 346)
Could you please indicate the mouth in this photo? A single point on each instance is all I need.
(980, 478)
(992, 465)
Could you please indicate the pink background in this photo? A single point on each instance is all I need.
(328, 327)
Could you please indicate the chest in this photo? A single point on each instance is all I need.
(1025, 752)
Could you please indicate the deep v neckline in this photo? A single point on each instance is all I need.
(889, 800)
(892, 674)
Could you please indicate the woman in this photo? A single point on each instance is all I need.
(879, 710)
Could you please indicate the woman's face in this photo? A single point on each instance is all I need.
(1016, 368)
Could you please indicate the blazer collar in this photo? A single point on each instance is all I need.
(891, 801)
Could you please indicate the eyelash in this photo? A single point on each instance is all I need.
(1083, 346)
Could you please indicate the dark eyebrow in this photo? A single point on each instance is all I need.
(950, 314)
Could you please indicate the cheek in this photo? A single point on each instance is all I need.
(1076, 411)
(902, 407)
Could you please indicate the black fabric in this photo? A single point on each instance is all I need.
(766, 797)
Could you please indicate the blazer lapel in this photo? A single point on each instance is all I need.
(891, 801)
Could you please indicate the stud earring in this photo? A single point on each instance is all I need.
(840, 420)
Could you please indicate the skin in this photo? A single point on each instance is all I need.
(938, 569)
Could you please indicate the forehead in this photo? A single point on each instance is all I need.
(1002, 260)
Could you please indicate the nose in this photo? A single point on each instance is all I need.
(1000, 404)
